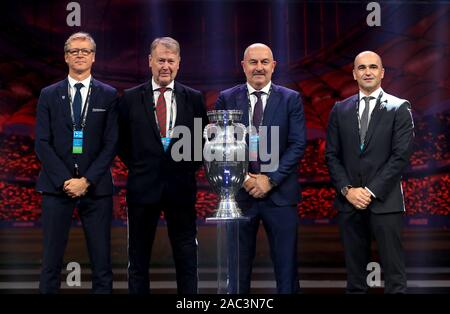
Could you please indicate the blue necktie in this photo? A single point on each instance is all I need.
(77, 104)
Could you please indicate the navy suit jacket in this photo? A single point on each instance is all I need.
(151, 170)
(387, 149)
(284, 109)
(54, 134)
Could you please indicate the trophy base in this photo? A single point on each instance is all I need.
(227, 210)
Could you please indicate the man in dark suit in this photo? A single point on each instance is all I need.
(270, 193)
(76, 139)
(149, 116)
(369, 143)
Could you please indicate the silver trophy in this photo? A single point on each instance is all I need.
(226, 161)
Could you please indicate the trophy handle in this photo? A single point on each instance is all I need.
(206, 130)
(244, 132)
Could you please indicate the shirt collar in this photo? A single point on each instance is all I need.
(85, 82)
(155, 86)
(265, 89)
(374, 94)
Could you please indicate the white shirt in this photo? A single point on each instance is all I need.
(253, 97)
(84, 90)
(171, 113)
(372, 102)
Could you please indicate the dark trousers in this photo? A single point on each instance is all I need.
(280, 224)
(357, 228)
(182, 229)
(95, 214)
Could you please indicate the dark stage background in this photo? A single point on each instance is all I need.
(314, 43)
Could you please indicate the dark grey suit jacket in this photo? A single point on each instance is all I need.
(379, 166)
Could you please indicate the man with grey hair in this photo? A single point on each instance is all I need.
(157, 183)
(76, 139)
(369, 143)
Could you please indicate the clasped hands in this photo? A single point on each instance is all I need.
(257, 185)
(360, 198)
(76, 187)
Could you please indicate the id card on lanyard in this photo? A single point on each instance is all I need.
(165, 141)
(78, 131)
(253, 139)
(77, 146)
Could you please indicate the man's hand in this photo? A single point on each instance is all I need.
(76, 187)
(249, 183)
(360, 198)
(257, 185)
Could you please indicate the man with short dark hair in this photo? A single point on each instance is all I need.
(369, 143)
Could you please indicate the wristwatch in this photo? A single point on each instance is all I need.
(344, 190)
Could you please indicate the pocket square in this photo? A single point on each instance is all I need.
(98, 110)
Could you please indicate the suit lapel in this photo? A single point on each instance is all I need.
(242, 104)
(92, 99)
(180, 97)
(63, 101)
(182, 114)
(149, 108)
(375, 118)
(353, 126)
(271, 106)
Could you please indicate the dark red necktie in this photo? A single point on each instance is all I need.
(255, 166)
(258, 110)
(161, 111)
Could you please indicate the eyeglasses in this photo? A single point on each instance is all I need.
(76, 51)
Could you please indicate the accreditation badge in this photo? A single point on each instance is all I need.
(253, 147)
(77, 146)
(165, 142)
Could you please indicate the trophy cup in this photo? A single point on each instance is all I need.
(226, 160)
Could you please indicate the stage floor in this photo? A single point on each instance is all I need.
(321, 263)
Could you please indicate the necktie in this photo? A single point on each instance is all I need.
(255, 166)
(258, 110)
(364, 122)
(77, 104)
(161, 111)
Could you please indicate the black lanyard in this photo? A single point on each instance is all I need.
(85, 108)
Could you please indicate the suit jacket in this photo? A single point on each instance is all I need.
(151, 170)
(54, 134)
(284, 109)
(387, 149)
